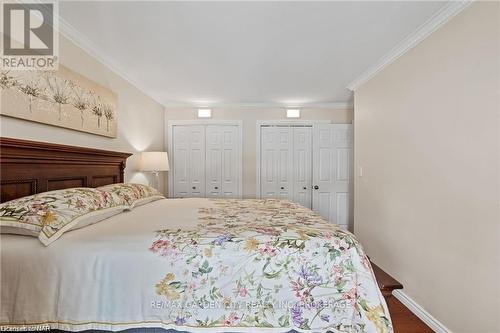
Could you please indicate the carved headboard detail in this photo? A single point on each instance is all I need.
(29, 167)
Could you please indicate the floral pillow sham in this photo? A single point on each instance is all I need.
(49, 214)
(132, 195)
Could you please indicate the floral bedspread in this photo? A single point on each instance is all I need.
(267, 264)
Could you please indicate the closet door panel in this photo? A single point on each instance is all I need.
(302, 165)
(230, 161)
(269, 164)
(181, 161)
(324, 176)
(214, 161)
(223, 161)
(284, 163)
(197, 161)
(213, 172)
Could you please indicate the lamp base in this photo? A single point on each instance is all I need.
(155, 182)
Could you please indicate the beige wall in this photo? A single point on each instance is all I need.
(250, 116)
(426, 136)
(140, 119)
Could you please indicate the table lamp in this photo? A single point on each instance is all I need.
(154, 162)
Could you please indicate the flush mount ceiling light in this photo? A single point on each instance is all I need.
(204, 113)
(293, 113)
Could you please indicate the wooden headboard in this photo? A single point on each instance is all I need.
(29, 167)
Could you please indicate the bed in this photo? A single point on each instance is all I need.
(187, 265)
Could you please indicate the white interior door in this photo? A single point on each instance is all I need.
(332, 172)
(302, 165)
(189, 161)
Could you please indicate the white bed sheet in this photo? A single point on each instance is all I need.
(103, 276)
(91, 272)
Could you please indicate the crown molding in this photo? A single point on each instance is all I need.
(77, 38)
(431, 25)
(422, 32)
(332, 105)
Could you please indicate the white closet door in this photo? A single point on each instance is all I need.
(206, 160)
(284, 161)
(214, 161)
(231, 161)
(332, 163)
(268, 168)
(302, 165)
(189, 161)
(276, 161)
(223, 161)
(181, 163)
(197, 161)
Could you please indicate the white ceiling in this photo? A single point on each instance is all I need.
(236, 53)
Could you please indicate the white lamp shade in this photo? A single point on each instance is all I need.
(154, 161)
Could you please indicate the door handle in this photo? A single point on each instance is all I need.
(316, 187)
(194, 187)
(304, 188)
(282, 188)
(216, 187)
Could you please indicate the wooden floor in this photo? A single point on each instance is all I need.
(403, 320)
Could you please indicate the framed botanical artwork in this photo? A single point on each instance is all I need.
(62, 98)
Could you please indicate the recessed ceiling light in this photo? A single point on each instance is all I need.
(293, 113)
(204, 113)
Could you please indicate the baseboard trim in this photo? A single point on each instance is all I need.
(420, 312)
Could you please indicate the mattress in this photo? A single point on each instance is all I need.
(195, 265)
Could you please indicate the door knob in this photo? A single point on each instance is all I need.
(316, 187)
(282, 188)
(216, 187)
(304, 188)
(194, 187)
